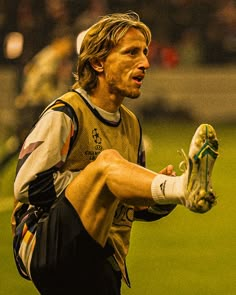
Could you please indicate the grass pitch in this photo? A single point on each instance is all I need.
(184, 253)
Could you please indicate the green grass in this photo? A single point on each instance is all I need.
(184, 253)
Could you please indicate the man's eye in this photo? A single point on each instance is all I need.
(133, 51)
(145, 52)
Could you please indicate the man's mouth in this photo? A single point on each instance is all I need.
(139, 79)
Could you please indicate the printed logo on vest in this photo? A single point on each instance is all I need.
(98, 146)
(97, 139)
(124, 215)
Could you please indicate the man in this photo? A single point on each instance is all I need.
(46, 76)
(81, 170)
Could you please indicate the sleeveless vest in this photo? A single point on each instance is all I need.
(95, 134)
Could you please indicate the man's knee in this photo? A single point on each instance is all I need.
(107, 159)
(109, 155)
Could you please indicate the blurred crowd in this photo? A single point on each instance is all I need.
(36, 34)
(39, 39)
(184, 31)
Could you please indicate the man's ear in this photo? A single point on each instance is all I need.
(97, 65)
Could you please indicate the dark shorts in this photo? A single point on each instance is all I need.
(66, 260)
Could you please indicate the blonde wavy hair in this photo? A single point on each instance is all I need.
(100, 39)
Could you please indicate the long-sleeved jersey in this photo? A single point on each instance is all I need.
(70, 134)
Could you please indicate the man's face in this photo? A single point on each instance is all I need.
(125, 66)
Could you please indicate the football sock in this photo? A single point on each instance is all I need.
(168, 189)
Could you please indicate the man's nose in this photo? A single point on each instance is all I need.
(145, 62)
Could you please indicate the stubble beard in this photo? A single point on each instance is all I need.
(123, 92)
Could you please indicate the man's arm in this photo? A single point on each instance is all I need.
(38, 179)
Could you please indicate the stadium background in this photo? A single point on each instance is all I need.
(192, 80)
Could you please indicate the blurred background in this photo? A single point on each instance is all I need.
(193, 57)
(192, 79)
